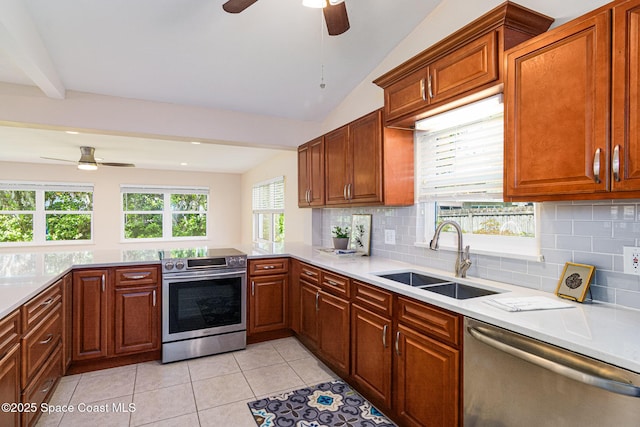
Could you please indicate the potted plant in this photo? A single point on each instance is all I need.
(340, 237)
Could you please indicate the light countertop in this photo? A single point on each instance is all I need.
(602, 331)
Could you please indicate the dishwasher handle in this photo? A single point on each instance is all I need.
(560, 364)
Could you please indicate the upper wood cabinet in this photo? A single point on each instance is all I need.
(464, 66)
(572, 110)
(311, 173)
(368, 164)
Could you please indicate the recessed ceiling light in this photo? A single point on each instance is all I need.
(183, 164)
(196, 142)
(71, 132)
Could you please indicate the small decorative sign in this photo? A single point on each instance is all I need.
(361, 233)
(574, 281)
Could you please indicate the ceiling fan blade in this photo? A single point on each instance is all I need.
(116, 164)
(237, 6)
(336, 18)
(60, 160)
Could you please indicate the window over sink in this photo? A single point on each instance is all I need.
(164, 213)
(459, 177)
(268, 211)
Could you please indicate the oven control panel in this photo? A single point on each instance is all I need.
(175, 265)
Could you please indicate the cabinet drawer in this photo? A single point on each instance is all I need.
(42, 387)
(437, 323)
(38, 344)
(136, 276)
(310, 274)
(335, 284)
(41, 305)
(9, 332)
(268, 266)
(373, 298)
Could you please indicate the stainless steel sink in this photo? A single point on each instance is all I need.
(412, 279)
(437, 285)
(458, 290)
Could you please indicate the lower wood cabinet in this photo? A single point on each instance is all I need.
(427, 380)
(324, 326)
(116, 312)
(371, 352)
(10, 367)
(268, 299)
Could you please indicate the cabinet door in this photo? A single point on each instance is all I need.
(336, 149)
(304, 178)
(67, 325)
(333, 340)
(90, 314)
(10, 385)
(268, 303)
(136, 319)
(557, 112)
(407, 95)
(365, 154)
(309, 300)
(371, 355)
(626, 97)
(316, 172)
(467, 68)
(428, 380)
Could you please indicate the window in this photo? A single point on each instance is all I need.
(268, 211)
(459, 178)
(164, 212)
(38, 213)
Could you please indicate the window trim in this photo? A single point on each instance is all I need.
(167, 212)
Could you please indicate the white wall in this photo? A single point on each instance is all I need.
(297, 221)
(223, 225)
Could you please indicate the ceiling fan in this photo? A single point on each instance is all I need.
(335, 12)
(88, 161)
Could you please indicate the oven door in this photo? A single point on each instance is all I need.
(203, 303)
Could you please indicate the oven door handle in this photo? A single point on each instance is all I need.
(202, 275)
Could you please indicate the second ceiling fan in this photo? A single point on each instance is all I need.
(335, 13)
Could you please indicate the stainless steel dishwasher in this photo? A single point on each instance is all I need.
(512, 380)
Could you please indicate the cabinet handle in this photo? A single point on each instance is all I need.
(430, 87)
(102, 283)
(253, 288)
(308, 196)
(423, 91)
(46, 341)
(268, 267)
(332, 283)
(154, 297)
(398, 343)
(317, 298)
(349, 186)
(135, 276)
(310, 273)
(47, 301)
(596, 166)
(48, 385)
(384, 336)
(616, 163)
(344, 192)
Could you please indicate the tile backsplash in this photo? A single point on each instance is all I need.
(583, 232)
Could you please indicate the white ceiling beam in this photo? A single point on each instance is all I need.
(20, 39)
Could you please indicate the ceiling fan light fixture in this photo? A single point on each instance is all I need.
(86, 166)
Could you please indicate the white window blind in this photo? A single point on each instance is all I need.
(269, 195)
(462, 162)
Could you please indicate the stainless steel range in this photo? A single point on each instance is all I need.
(203, 302)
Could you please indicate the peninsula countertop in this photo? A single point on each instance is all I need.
(603, 331)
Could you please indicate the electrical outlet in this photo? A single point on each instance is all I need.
(390, 237)
(631, 260)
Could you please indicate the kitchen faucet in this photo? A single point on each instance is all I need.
(462, 260)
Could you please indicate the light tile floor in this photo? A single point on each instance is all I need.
(208, 391)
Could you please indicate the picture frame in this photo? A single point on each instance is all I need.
(361, 233)
(574, 281)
